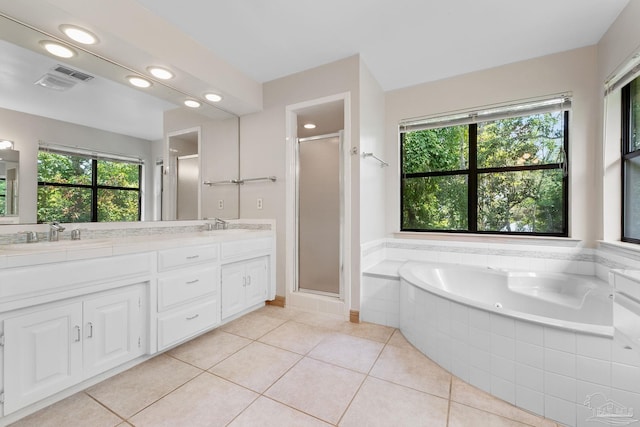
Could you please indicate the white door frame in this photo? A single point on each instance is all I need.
(169, 207)
(304, 300)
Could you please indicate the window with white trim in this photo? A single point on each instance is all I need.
(631, 161)
(500, 171)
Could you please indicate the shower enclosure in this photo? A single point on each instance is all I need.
(320, 212)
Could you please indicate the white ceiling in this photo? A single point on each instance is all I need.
(403, 42)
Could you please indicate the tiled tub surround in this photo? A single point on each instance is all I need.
(548, 370)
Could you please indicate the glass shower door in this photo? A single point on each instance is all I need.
(320, 214)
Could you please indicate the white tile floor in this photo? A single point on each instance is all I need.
(282, 367)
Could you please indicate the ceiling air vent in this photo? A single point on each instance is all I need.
(62, 78)
(79, 75)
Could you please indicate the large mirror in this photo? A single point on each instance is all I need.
(84, 135)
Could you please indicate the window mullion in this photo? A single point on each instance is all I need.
(94, 190)
(139, 192)
(472, 187)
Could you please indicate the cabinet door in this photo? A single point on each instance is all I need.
(232, 289)
(42, 354)
(256, 281)
(112, 330)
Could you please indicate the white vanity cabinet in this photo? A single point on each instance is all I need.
(188, 293)
(58, 345)
(245, 274)
(71, 316)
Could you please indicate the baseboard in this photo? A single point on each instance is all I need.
(354, 316)
(278, 301)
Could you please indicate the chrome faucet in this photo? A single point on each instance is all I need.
(32, 236)
(76, 234)
(54, 229)
(220, 222)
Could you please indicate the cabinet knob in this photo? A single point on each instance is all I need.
(90, 330)
(77, 328)
(191, 282)
(193, 317)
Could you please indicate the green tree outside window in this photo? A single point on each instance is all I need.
(76, 188)
(501, 176)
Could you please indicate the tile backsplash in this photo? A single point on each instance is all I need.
(12, 234)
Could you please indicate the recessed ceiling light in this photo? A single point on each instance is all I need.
(191, 103)
(160, 73)
(309, 126)
(5, 144)
(58, 49)
(139, 81)
(79, 34)
(213, 97)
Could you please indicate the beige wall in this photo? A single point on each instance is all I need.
(616, 48)
(26, 130)
(372, 209)
(620, 41)
(219, 147)
(372, 175)
(375, 116)
(573, 71)
(263, 147)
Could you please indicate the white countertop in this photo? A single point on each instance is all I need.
(25, 254)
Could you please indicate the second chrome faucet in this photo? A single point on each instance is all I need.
(54, 229)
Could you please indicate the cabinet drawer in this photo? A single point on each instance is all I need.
(177, 325)
(245, 247)
(179, 257)
(39, 280)
(187, 284)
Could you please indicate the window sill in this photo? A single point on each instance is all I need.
(490, 238)
(622, 248)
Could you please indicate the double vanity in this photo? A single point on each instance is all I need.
(74, 312)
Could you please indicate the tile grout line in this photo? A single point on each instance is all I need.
(122, 419)
(366, 376)
(220, 361)
(449, 400)
(165, 395)
(262, 394)
(306, 355)
(126, 419)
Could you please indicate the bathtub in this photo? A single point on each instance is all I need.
(540, 341)
(570, 301)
